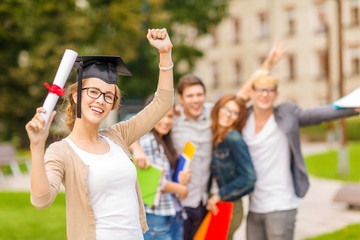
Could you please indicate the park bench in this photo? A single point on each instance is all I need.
(8, 158)
(349, 194)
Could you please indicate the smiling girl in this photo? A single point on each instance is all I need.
(103, 199)
(231, 165)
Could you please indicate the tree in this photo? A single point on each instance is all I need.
(185, 21)
(35, 34)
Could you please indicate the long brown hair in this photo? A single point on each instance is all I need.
(168, 146)
(166, 142)
(71, 107)
(219, 133)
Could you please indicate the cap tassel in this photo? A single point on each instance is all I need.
(78, 109)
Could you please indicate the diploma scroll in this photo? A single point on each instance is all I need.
(60, 79)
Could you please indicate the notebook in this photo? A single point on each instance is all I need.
(185, 159)
(149, 181)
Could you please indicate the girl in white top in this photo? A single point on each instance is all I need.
(112, 177)
(110, 185)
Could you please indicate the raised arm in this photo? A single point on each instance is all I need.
(276, 53)
(146, 119)
(159, 39)
(38, 133)
(317, 115)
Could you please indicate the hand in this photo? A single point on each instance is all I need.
(36, 128)
(183, 194)
(276, 53)
(211, 204)
(160, 39)
(141, 160)
(184, 177)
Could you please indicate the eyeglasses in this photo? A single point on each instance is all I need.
(95, 93)
(269, 91)
(228, 111)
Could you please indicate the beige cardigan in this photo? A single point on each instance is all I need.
(64, 166)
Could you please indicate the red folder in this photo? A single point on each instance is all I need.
(216, 227)
(202, 230)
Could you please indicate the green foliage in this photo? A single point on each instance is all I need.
(351, 232)
(325, 165)
(199, 15)
(20, 220)
(35, 34)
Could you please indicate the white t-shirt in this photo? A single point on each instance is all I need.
(111, 187)
(270, 153)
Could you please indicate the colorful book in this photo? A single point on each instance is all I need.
(216, 227)
(185, 159)
(149, 181)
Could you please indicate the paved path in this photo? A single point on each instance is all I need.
(317, 213)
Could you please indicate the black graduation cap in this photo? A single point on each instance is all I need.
(105, 68)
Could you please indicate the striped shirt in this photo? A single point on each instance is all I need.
(169, 205)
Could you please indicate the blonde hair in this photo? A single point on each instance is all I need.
(264, 77)
(71, 107)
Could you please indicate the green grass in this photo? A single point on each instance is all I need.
(20, 220)
(325, 165)
(351, 232)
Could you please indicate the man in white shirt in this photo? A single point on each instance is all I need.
(273, 203)
(272, 135)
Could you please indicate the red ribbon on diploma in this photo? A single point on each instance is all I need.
(55, 89)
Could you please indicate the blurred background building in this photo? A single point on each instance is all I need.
(310, 73)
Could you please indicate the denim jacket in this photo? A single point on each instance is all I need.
(232, 167)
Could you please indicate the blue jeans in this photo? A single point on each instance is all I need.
(164, 227)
